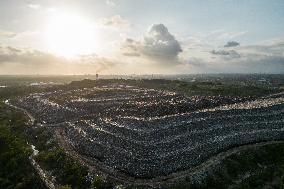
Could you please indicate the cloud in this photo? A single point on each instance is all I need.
(26, 56)
(230, 53)
(265, 58)
(253, 63)
(131, 48)
(231, 35)
(225, 35)
(101, 64)
(34, 6)
(28, 61)
(267, 54)
(111, 3)
(131, 54)
(275, 49)
(158, 44)
(114, 22)
(7, 34)
(232, 44)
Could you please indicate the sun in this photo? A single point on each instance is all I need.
(70, 35)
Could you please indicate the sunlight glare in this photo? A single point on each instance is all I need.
(70, 35)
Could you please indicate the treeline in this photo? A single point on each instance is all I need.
(15, 91)
(187, 88)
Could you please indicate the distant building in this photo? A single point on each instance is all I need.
(97, 76)
(263, 81)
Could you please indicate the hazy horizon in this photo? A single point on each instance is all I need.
(145, 74)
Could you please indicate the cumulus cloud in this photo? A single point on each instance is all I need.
(131, 47)
(114, 22)
(232, 44)
(158, 44)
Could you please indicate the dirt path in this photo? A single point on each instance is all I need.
(42, 173)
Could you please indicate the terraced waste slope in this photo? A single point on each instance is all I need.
(145, 133)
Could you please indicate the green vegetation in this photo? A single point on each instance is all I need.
(14, 91)
(66, 170)
(187, 88)
(16, 170)
(211, 88)
(261, 167)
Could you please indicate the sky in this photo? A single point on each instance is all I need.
(141, 36)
